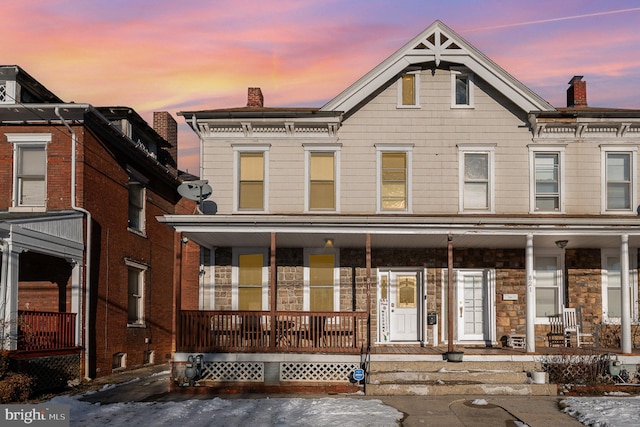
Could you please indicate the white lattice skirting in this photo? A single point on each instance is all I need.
(311, 371)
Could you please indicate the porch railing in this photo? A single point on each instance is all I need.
(42, 330)
(260, 331)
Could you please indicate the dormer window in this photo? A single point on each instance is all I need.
(409, 90)
(461, 89)
(7, 92)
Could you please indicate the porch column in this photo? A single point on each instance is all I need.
(530, 297)
(273, 289)
(9, 298)
(625, 314)
(368, 279)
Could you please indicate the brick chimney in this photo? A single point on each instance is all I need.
(165, 125)
(255, 98)
(577, 93)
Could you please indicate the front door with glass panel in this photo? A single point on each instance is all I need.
(471, 292)
(400, 306)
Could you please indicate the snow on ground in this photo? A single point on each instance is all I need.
(604, 411)
(280, 412)
(614, 410)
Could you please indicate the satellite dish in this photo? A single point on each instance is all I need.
(195, 190)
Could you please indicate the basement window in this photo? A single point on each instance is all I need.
(119, 361)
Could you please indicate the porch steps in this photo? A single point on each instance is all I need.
(440, 378)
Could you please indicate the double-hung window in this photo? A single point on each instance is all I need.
(619, 179)
(321, 279)
(462, 89)
(409, 90)
(322, 183)
(30, 170)
(547, 179)
(549, 296)
(612, 282)
(136, 292)
(137, 200)
(136, 205)
(394, 178)
(476, 178)
(252, 178)
(249, 277)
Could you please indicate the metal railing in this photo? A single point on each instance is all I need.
(42, 330)
(261, 331)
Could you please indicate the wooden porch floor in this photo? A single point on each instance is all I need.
(497, 351)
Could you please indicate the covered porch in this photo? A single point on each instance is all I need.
(506, 246)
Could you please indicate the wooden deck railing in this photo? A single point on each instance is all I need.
(42, 330)
(258, 331)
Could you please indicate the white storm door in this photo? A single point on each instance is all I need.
(471, 305)
(403, 305)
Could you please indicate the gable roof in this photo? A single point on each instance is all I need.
(438, 43)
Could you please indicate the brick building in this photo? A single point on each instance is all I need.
(87, 270)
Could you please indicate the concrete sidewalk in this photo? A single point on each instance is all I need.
(152, 384)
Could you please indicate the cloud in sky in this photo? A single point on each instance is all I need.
(157, 55)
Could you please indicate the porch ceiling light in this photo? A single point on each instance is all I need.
(328, 243)
(561, 243)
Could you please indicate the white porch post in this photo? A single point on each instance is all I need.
(9, 303)
(625, 297)
(530, 297)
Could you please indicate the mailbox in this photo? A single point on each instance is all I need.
(432, 318)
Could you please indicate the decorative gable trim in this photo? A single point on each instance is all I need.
(437, 44)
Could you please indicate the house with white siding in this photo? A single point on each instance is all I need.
(435, 203)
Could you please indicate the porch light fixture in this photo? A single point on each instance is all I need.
(561, 243)
(328, 243)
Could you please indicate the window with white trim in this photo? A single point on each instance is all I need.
(409, 90)
(136, 292)
(547, 179)
(250, 165)
(321, 280)
(30, 170)
(619, 179)
(249, 279)
(548, 280)
(462, 89)
(611, 285)
(394, 178)
(476, 179)
(322, 187)
(137, 197)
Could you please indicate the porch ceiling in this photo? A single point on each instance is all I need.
(311, 231)
(341, 239)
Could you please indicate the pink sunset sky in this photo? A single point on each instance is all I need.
(162, 55)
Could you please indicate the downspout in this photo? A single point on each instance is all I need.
(87, 287)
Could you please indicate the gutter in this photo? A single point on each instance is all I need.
(87, 282)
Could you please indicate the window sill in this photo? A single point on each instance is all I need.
(137, 325)
(27, 209)
(140, 233)
(462, 107)
(408, 107)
